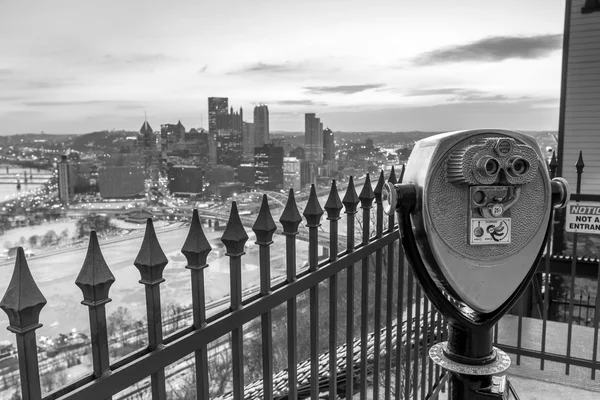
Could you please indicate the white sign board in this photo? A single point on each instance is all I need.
(583, 217)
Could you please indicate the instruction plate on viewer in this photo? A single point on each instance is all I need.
(490, 231)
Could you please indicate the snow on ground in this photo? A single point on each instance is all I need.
(14, 235)
(130, 225)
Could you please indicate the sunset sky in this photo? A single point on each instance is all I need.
(79, 66)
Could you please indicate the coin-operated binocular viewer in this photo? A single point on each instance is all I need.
(474, 211)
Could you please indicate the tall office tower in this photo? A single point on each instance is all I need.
(216, 106)
(291, 173)
(268, 161)
(249, 141)
(328, 146)
(149, 153)
(230, 138)
(66, 182)
(171, 134)
(313, 139)
(212, 148)
(261, 123)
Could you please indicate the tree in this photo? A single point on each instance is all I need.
(64, 236)
(49, 239)
(34, 240)
(94, 222)
(119, 321)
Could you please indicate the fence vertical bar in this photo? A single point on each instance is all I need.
(366, 202)
(425, 333)
(290, 220)
(313, 213)
(23, 303)
(196, 249)
(264, 227)
(350, 202)
(95, 280)
(409, 323)
(234, 238)
(579, 166)
(596, 323)
(417, 322)
(389, 301)
(151, 262)
(552, 166)
(378, 277)
(400, 319)
(432, 335)
(333, 207)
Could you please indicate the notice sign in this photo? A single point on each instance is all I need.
(583, 217)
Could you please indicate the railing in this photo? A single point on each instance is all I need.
(297, 328)
(288, 338)
(557, 346)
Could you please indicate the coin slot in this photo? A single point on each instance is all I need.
(479, 197)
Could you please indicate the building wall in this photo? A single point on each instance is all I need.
(291, 173)
(219, 173)
(580, 102)
(216, 106)
(268, 161)
(185, 179)
(249, 141)
(121, 182)
(261, 122)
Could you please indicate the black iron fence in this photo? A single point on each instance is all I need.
(355, 323)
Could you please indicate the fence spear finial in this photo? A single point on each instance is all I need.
(351, 199)
(392, 178)
(290, 218)
(264, 226)
(366, 195)
(379, 187)
(151, 260)
(313, 211)
(580, 165)
(23, 300)
(234, 237)
(333, 205)
(95, 278)
(196, 246)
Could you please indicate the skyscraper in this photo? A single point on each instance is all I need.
(313, 139)
(216, 106)
(230, 138)
(249, 143)
(261, 125)
(66, 182)
(149, 153)
(171, 134)
(328, 146)
(268, 161)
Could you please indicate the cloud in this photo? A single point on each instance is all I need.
(343, 89)
(270, 68)
(461, 94)
(70, 103)
(496, 48)
(299, 103)
(136, 58)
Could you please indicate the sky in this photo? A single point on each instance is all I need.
(436, 65)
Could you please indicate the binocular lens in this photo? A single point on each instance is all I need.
(491, 166)
(518, 166)
(488, 166)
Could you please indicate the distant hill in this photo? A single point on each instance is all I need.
(103, 140)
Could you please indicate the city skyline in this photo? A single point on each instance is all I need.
(388, 67)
